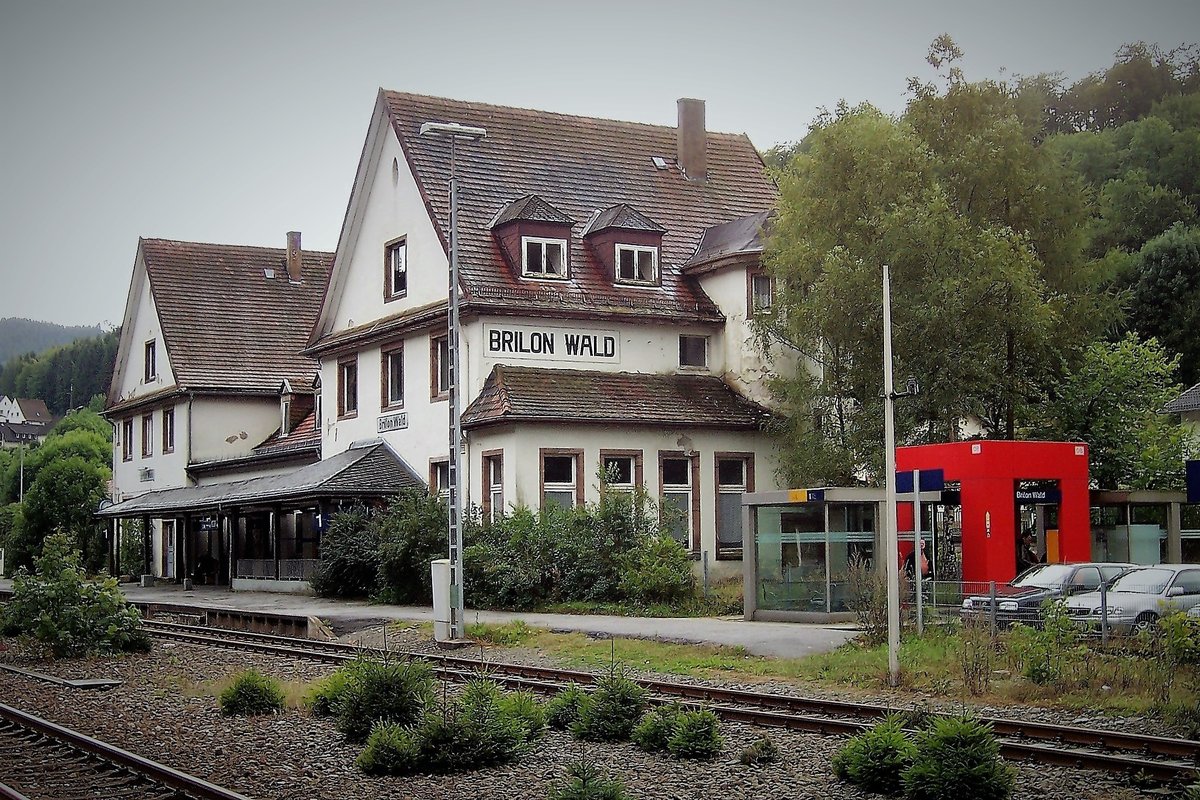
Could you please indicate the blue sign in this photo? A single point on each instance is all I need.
(1037, 497)
(1193, 481)
(932, 480)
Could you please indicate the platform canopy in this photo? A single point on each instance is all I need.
(367, 470)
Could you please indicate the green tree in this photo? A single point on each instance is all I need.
(982, 232)
(63, 498)
(84, 419)
(78, 442)
(1113, 401)
(1165, 297)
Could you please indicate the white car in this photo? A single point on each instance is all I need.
(1139, 597)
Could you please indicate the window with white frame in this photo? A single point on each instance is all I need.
(735, 477)
(439, 379)
(439, 478)
(693, 351)
(543, 258)
(677, 497)
(493, 471)
(395, 269)
(637, 264)
(148, 435)
(150, 362)
(168, 430)
(392, 379)
(127, 440)
(560, 478)
(348, 386)
(762, 293)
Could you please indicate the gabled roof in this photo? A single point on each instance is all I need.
(371, 469)
(230, 317)
(741, 236)
(526, 394)
(34, 410)
(578, 165)
(304, 436)
(530, 208)
(1188, 401)
(623, 216)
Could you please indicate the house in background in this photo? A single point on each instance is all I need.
(22, 434)
(1187, 406)
(26, 410)
(210, 387)
(610, 277)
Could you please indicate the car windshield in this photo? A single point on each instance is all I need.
(1143, 581)
(1043, 576)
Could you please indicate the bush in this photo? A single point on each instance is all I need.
(696, 736)
(868, 599)
(876, 758)
(658, 570)
(252, 694)
(525, 709)
(131, 558)
(585, 782)
(349, 565)
(958, 757)
(562, 710)
(610, 713)
(656, 728)
(396, 692)
(411, 533)
(762, 751)
(474, 731)
(322, 698)
(72, 616)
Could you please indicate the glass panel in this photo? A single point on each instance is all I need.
(645, 260)
(563, 497)
(554, 259)
(693, 351)
(443, 356)
(533, 258)
(729, 519)
(399, 255)
(731, 472)
(558, 469)
(396, 378)
(618, 471)
(761, 289)
(791, 559)
(677, 514)
(676, 472)
(625, 264)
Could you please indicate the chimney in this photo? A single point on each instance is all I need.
(293, 257)
(693, 140)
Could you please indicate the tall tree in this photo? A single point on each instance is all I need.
(1165, 300)
(982, 234)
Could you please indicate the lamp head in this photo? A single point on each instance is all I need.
(453, 130)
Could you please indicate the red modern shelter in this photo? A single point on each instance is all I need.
(995, 478)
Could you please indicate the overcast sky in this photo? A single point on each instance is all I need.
(235, 122)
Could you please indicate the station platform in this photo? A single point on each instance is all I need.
(772, 639)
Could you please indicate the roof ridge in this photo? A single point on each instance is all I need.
(543, 112)
(283, 250)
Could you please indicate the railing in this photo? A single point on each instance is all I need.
(290, 569)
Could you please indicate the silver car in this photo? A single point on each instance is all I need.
(1139, 597)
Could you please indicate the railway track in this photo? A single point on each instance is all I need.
(1155, 757)
(40, 760)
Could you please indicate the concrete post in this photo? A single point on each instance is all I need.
(1174, 533)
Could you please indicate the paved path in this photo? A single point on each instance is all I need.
(780, 639)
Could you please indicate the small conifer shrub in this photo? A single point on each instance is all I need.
(876, 758)
(610, 713)
(251, 694)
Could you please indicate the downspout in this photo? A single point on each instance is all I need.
(188, 460)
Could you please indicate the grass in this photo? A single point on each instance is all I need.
(293, 691)
(724, 599)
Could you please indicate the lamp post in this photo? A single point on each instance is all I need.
(453, 131)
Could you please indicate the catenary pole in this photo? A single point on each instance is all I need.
(891, 545)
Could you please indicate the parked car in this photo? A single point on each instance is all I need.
(1020, 600)
(1139, 597)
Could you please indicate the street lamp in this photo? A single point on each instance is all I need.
(453, 131)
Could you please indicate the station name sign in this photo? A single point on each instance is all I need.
(1048, 496)
(551, 344)
(393, 422)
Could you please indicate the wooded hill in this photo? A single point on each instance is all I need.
(19, 336)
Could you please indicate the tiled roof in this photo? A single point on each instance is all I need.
(1188, 401)
(304, 436)
(531, 208)
(368, 470)
(23, 431)
(624, 216)
(529, 394)
(34, 410)
(579, 165)
(742, 235)
(226, 323)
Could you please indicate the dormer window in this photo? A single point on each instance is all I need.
(395, 269)
(762, 293)
(637, 264)
(543, 258)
